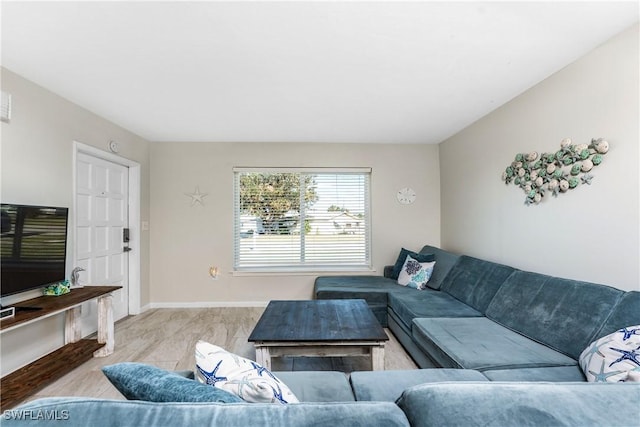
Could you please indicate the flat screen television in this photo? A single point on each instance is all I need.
(33, 247)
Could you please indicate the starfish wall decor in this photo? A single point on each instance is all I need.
(197, 196)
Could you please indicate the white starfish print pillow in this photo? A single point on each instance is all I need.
(613, 358)
(243, 377)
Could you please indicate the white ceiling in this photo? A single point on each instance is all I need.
(339, 71)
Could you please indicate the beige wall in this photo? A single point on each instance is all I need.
(591, 233)
(37, 168)
(188, 239)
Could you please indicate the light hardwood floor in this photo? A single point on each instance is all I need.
(166, 338)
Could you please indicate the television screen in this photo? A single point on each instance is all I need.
(33, 247)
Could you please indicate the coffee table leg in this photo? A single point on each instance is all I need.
(377, 357)
(263, 357)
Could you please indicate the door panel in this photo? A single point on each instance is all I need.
(101, 215)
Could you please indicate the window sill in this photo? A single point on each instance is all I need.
(345, 272)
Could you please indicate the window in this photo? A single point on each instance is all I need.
(302, 219)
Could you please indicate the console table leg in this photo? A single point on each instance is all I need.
(106, 333)
(72, 327)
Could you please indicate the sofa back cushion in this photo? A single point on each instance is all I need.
(520, 404)
(101, 412)
(444, 262)
(474, 281)
(625, 313)
(563, 314)
(387, 386)
(318, 386)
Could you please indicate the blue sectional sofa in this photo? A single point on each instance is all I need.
(498, 347)
(418, 398)
(512, 325)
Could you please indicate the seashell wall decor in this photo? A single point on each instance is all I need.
(556, 172)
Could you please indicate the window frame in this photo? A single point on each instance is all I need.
(302, 268)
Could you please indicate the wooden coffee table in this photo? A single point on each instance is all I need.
(319, 328)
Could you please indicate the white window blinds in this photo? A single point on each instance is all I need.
(301, 219)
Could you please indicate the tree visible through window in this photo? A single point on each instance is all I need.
(292, 220)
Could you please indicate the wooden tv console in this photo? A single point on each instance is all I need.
(25, 381)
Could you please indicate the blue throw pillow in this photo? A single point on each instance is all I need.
(397, 267)
(138, 381)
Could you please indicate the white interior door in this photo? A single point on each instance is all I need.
(102, 215)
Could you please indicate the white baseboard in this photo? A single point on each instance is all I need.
(145, 308)
(207, 304)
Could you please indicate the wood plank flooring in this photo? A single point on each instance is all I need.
(166, 338)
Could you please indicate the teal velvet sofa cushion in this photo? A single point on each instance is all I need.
(474, 281)
(550, 374)
(563, 314)
(318, 386)
(521, 404)
(428, 303)
(625, 313)
(403, 335)
(444, 262)
(81, 412)
(387, 386)
(479, 343)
